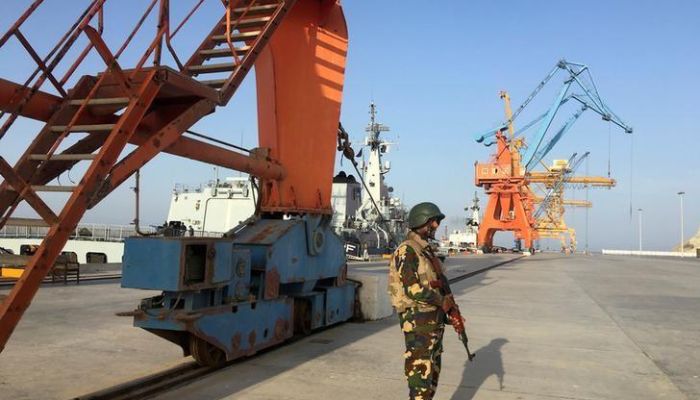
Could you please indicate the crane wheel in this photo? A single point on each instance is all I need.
(205, 353)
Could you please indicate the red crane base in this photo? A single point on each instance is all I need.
(506, 211)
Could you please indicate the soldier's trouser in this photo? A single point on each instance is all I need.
(423, 334)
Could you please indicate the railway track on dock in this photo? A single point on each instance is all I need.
(152, 385)
(8, 283)
(179, 376)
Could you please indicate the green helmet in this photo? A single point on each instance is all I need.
(421, 213)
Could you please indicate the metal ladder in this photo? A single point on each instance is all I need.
(114, 108)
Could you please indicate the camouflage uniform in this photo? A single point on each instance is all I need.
(418, 304)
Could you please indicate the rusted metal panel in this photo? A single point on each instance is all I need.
(251, 328)
(272, 283)
(339, 303)
(264, 232)
(198, 150)
(41, 106)
(28, 193)
(175, 84)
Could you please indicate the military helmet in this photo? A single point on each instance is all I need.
(421, 213)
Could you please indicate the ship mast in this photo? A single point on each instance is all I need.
(373, 169)
(475, 209)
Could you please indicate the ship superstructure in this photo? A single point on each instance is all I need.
(208, 210)
(466, 240)
(367, 216)
(213, 209)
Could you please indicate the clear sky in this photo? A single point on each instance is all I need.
(435, 69)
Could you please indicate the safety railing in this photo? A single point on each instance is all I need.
(230, 26)
(94, 14)
(45, 66)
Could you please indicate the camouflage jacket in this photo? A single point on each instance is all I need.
(410, 274)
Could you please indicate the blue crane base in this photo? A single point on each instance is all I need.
(224, 298)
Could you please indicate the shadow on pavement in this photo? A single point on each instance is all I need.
(489, 361)
(271, 363)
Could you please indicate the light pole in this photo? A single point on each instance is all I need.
(680, 194)
(640, 228)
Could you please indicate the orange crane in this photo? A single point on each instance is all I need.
(298, 48)
(510, 202)
(505, 178)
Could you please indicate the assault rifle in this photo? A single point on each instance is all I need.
(454, 315)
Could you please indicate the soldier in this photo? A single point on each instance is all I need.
(422, 302)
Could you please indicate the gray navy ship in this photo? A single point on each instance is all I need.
(366, 214)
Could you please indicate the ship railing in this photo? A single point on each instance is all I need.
(94, 232)
(49, 67)
(91, 232)
(71, 55)
(208, 234)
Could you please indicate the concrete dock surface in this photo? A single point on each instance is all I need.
(543, 327)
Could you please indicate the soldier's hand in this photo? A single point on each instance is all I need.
(448, 304)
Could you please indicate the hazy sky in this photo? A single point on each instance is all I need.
(435, 69)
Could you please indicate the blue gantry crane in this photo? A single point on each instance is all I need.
(505, 178)
(579, 77)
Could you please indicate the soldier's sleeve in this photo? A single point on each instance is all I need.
(408, 270)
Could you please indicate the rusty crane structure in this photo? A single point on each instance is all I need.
(298, 49)
(551, 205)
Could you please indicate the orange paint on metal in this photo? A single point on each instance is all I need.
(41, 106)
(12, 309)
(300, 76)
(510, 201)
(260, 166)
